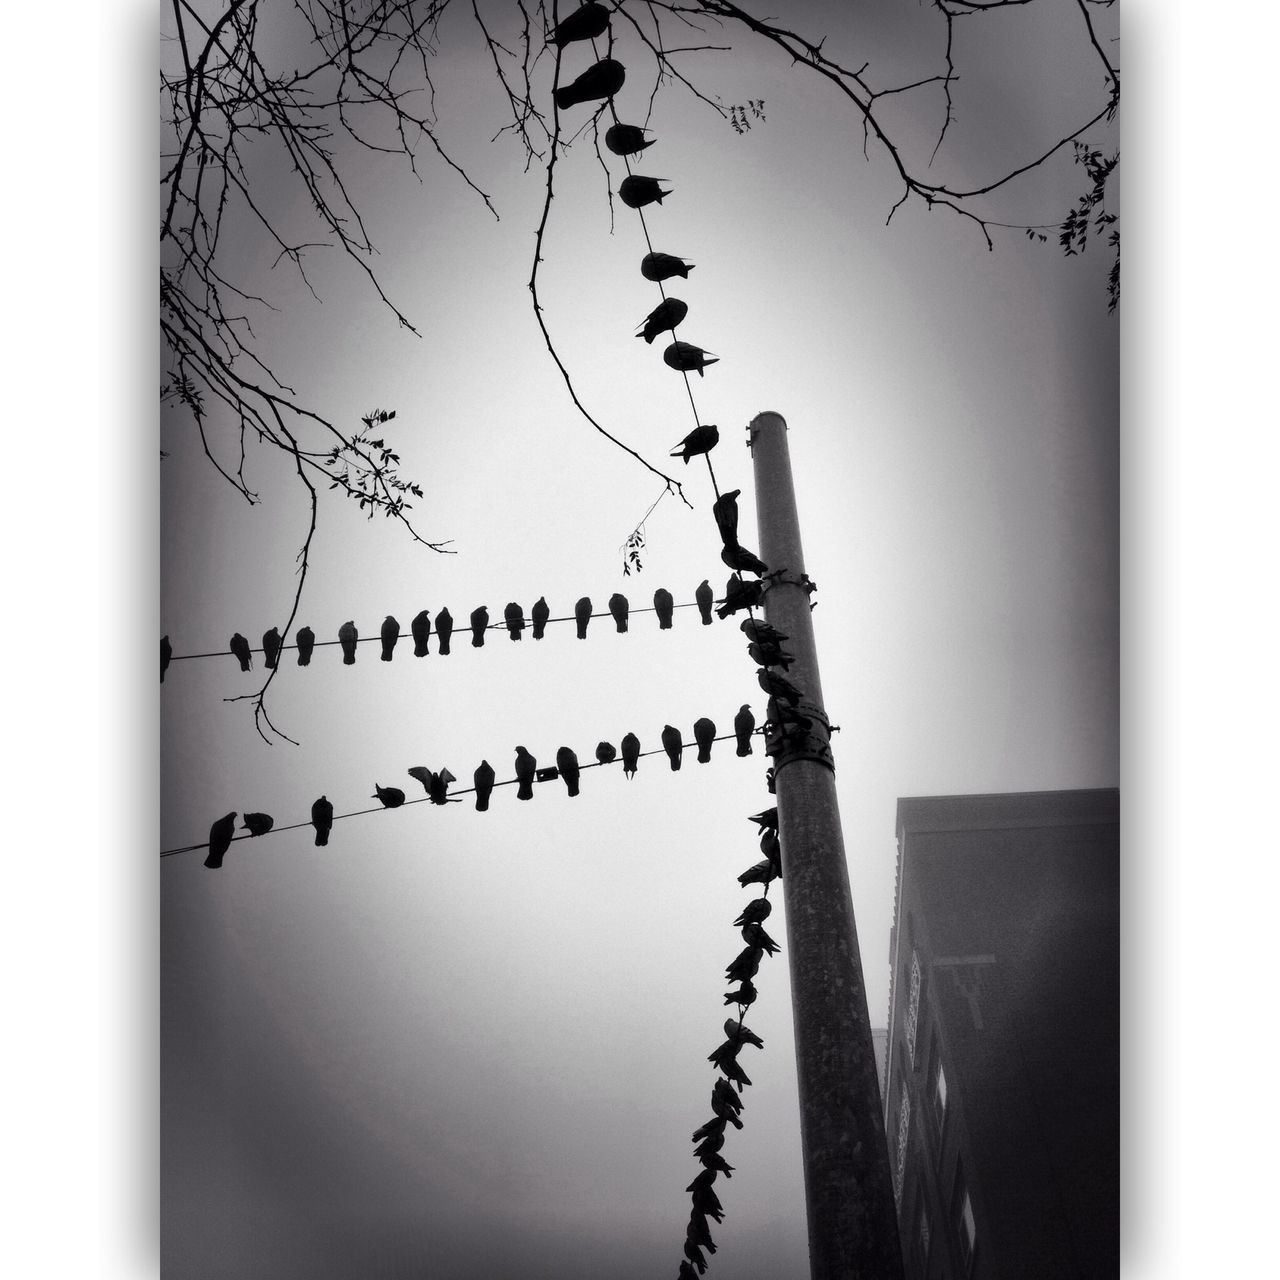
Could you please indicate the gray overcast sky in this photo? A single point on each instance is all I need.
(469, 1045)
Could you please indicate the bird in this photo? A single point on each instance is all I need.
(685, 357)
(761, 632)
(725, 511)
(672, 745)
(600, 80)
(606, 752)
(686, 1272)
(716, 1162)
(221, 834)
(585, 23)
(705, 598)
(390, 633)
(444, 629)
(744, 725)
(766, 819)
(347, 638)
(666, 315)
(630, 754)
(756, 910)
(439, 788)
(539, 613)
(306, 641)
(771, 847)
(663, 605)
(483, 778)
(704, 1181)
(258, 824)
(704, 734)
(423, 775)
(691, 1250)
(699, 1233)
(271, 648)
(636, 191)
(513, 616)
(711, 1129)
(725, 1059)
(526, 767)
(734, 1030)
(479, 621)
(754, 935)
(744, 965)
(567, 763)
(740, 595)
(705, 1200)
(770, 655)
(619, 608)
(743, 561)
(745, 994)
(582, 616)
(662, 266)
(777, 686)
(759, 873)
(421, 629)
(322, 819)
(240, 647)
(166, 652)
(627, 139)
(701, 439)
(391, 797)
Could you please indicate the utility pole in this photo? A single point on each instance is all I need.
(853, 1225)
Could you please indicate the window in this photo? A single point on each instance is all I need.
(913, 1008)
(964, 1221)
(939, 1092)
(904, 1128)
(922, 1233)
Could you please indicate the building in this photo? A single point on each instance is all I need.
(1002, 1094)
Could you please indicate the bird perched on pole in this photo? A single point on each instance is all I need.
(705, 598)
(771, 847)
(166, 652)
(483, 779)
(745, 994)
(526, 767)
(584, 23)
(663, 606)
(766, 819)
(627, 139)
(672, 745)
(258, 824)
(479, 621)
(704, 734)
(240, 647)
(322, 819)
(756, 910)
(764, 654)
(421, 629)
(666, 315)
(725, 511)
(220, 836)
(700, 440)
(271, 648)
(391, 797)
(306, 641)
(636, 191)
(744, 725)
(599, 81)
(740, 595)
(582, 616)
(759, 873)
(567, 763)
(606, 753)
(662, 266)
(777, 686)
(685, 357)
(630, 754)
(761, 632)
(444, 629)
(389, 634)
(513, 615)
(619, 608)
(743, 561)
(348, 637)
(539, 613)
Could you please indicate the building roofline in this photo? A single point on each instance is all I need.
(1007, 810)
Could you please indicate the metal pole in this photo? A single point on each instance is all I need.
(853, 1226)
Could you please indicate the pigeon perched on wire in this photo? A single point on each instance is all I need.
(766, 819)
(389, 634)
(567, 763)
(666, 315)
(686, 1272)
(740, 595)
(686, 357)
(483, 779)
(348, 637)
(306, 641)
(704, 734)
(539, 614)
(712, 1142)
(391, 797)
(672, 744)
(438, 791)
(759, 873)
(166, 652)
(744, 725)
(322, 819)
(699, 1233)
(725, 511)
(479, 621)
(663, 605)
(584, 23)
(627, 139)
(271, 648)
(526, 767)
(691, 1250)
(726, 1060)
(756, 910)
(619, 608)
(701, 439)
(759, 631)
(743, 561)
(739, 1034)
(220, 836)
(606, 752)
(421, 629)
(777, 686)
(258, 824)
(712, 1129)
(753, 935)
(744, 995)
(716, 1162)
(662, 266)
(636, 191)
(423, 775)
(599, 81)
(513, 616)
(630, 754)
(444, 629)
(746, 964)
(704, 597)
(240, 647)
(582, 616)
(770, 655)
(705, 1200)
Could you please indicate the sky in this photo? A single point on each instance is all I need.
(466, 1044)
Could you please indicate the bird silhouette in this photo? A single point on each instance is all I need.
(539, 613)
(479, 621)
(740, 595)
(582, 616)
(322, 819)
(744, 725)
(766, 819)
(421, 630)
(672, 745)
(663, 605)
(705, 1200)
(601, 80)
(662, 266)
(686, 1272)
(391, 797)
(745, 964)
(744, 995)
(271, 648)
(619, 608)
(756, 910)
(627, 139)
(513, 616)
(567, 763)
(700, 440)
(483, 779)
(685, 357)
(585, 23)
(770, 655)
(760, 873)
(705, 598)
(710, 1129)
(258, 824)
(704, 734)
(630, 754)
(438, 791)
(743, 561)
(734, 1030)
(771, 847)
(240, 647)
(606, 752)
(666, 315)
(636, 191)
(761, 632)
(699, 1233)
(220, 836)
(725, 1059)
(306, 641)
(389, 634)
(423, 775)
(444, 629)
(691, 1250)
(754, 935)
(777, 686)
(166, 652)
(725, 511)
(348, 636)
(526, 767)
(715, 1161)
